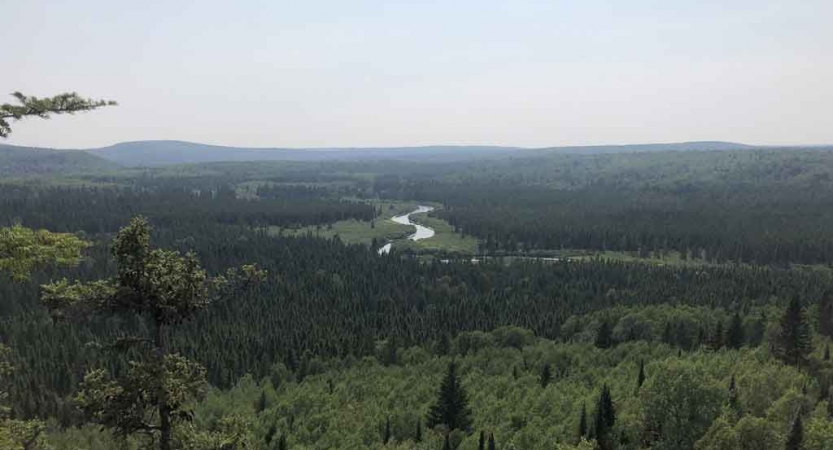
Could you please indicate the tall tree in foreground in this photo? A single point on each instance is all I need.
(165, 288)
(793, 338)
(582, 424)
(67, 103)
(451, 407)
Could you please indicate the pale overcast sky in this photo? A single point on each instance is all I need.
(390, 73)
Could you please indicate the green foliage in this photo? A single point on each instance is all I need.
(67, 103)
(23, 249)
(678, 405)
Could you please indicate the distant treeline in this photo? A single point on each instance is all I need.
(105, 209)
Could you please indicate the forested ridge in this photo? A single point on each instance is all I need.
(338, 346)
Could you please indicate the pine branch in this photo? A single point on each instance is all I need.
(66, 103)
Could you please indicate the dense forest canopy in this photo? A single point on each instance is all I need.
(708, 272)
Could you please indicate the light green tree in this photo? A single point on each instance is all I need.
(679, 404)
(23, 249)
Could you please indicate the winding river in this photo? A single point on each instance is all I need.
(405, 219)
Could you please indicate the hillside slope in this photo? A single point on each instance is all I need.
(155, 153)
(26, 161)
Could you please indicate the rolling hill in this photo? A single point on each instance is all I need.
(27, 161)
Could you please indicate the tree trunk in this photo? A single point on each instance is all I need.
(164, 411)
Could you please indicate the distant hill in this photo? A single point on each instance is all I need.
(155, 153)
(27, 161)
(633, 148)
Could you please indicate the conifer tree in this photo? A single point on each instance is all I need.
(451, 407)
(716, 341)
(733, 394)
(262, 403)
(604, 335)
(418, 433)
(481, 442)
(826, 314)
(605, 418)
(492, 445)
(166, 288)
(515, 372)
(447, 443)
(793, 344)
(796, 436)
(582, 423)
(270, 434)
(387, 434)
(735, 337)
(546, 375)
(640, 377)
(827, 352)
(389, 357)
(667, 334)
(282, 445)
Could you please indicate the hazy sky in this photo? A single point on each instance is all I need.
(376, 73)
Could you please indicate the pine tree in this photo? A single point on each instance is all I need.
(605, 419)
(604, 336)
(735, 337)
(418, 434)
(546, 375)
(582, 423)
(451, 407)
(667, 334)
(827, 352)
(167, 288)
(826, 314)
(444, 345)
(386, 435)
(640, 377)
(716, 341)
(282, 445)
(733, 394)
(447, 443)
(262, 403)
(793, 340)
(481, 443)
(67, 103)
(515, 372)
(270, 434)
(796, 436)
(492, 445)
(389, 357)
